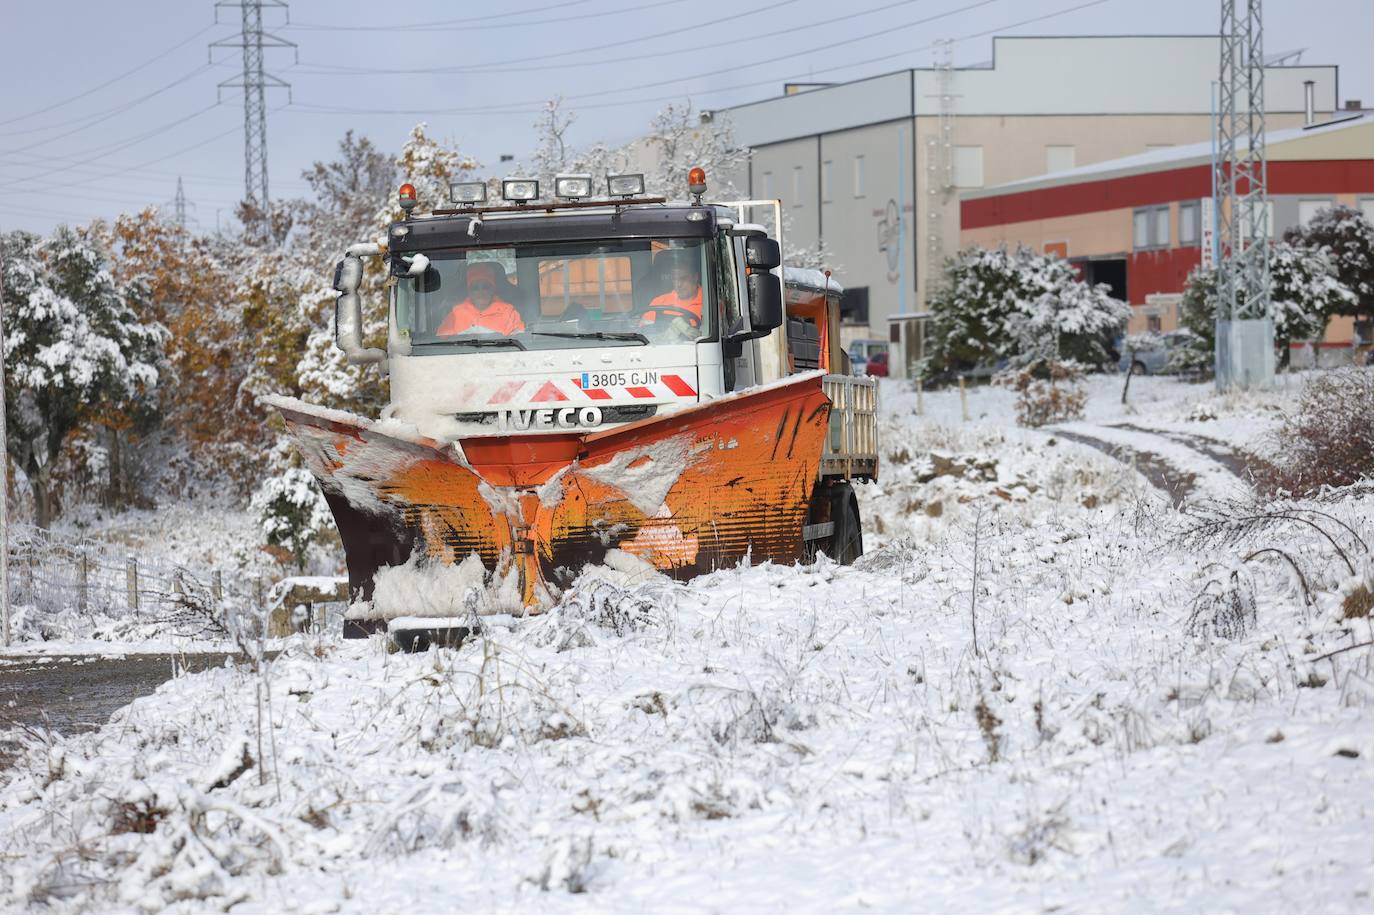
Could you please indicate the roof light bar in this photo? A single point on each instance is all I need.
(625, 185)
(468, 193)
(519, 190)
(572, 187)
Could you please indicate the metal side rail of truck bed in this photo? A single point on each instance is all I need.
(851, 448)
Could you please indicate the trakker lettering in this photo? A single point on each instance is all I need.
(565, 418)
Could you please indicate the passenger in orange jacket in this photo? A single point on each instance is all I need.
(483, 307)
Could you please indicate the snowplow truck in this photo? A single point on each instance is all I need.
(575, 379)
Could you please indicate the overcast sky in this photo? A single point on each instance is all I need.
(106, 104)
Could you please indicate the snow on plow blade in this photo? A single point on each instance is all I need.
(688, 492)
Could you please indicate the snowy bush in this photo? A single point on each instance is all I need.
(1329, 439)
(1047, 392)
(1304, 294)
(293, 511)
(1021, 306)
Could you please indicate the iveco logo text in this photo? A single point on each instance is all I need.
(565, 418)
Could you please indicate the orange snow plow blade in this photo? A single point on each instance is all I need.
(688, 492)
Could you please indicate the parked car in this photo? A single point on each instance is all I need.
(877, 366)
(861, 351)
(1154, 361)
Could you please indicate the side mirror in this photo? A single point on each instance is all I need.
(762, 253)
(765, 302)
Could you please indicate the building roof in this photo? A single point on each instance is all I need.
(1030, 75)
(1353, 137)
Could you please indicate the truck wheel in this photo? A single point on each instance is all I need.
(847, 543)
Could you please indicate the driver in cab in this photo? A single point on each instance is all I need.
(681, 304)
(484, 310)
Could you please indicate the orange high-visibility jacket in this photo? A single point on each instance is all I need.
(671, 298)
(499, 316)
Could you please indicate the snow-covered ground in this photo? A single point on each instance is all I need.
(1025, 697)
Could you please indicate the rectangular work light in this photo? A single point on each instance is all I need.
(572, 186)
(468, 192)
(625, 185)
(520, 190)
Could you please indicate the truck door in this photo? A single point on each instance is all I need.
(738, 370)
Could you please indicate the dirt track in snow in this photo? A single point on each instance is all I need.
(73, 693)
(1178, 483)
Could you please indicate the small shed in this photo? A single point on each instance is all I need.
(908, 334)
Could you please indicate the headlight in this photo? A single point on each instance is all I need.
(520, 190)
(468, 192)
(625, 185)
(572, 186)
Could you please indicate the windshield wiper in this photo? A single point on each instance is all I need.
(485, 341)
(593, 335)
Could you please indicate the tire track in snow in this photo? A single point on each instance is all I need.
(1182, 466)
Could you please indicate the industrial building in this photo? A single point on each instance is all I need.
(874, 168)
(1142, 223)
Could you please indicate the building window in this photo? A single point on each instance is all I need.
(766, 186)
(1058, 158)
(1150, 227)
(858, 176)
(1159, 237)
(796, 185)
(1190, 223)
(1367, 208)
(1140, 230)
(854, 305)
(1154, 323)
(1307, 209)
(826, 184)
(968, 166)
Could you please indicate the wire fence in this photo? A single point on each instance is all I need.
(58, 585)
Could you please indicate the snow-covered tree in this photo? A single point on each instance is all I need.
(431, 166)
(75, 348)
(1021, 306)
(1348, 237)
(346, 193)
(190, 290)
(1305, 292)
(681, 140)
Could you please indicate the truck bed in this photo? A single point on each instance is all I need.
(851, 447)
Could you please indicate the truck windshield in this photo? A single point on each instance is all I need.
(561, 295)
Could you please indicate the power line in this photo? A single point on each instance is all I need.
(586, 49)
(51, 106)
(326, 27)
(534, 109)
(682, 79)
(114, 112)
(152, 176)
(466, 25)
(113, 148)
(505, 66)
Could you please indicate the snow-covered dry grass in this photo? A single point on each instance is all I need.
(1056, 692)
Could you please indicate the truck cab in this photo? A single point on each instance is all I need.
(598, 316)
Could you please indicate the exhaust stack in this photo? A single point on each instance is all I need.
(1309, 95)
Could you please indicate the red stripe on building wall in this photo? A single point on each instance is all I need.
(1345, 176)
(1166, 270)
(1087, 197)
